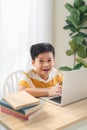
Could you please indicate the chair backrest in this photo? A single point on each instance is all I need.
(11, 82)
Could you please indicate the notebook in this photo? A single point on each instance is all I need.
(74, 88)
(20, 100)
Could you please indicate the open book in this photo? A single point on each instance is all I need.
(20, 100)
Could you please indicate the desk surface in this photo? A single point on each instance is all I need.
(53, 117)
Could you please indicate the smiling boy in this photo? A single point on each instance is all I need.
(43, 79)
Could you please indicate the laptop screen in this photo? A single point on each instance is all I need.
(56, 99)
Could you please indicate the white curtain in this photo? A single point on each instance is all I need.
(22, 23)
(14, 23)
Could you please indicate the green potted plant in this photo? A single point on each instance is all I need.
(76, 22)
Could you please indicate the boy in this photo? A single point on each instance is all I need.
(43, 79)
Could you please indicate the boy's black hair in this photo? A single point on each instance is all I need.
(39, 48)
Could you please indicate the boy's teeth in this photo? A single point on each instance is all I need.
(45, 69)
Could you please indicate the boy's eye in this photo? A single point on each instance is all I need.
(49, 60)
(41, 61)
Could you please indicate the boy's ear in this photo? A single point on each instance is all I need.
(33, 62)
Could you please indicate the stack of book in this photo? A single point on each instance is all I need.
(22, 105)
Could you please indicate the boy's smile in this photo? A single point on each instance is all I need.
(46, 69)
(43, 64)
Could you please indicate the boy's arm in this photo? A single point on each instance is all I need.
(39, 92)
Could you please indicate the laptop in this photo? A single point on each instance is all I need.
(74, 88)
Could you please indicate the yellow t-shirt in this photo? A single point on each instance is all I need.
(32, 80)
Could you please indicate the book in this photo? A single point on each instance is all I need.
(33, 108)
(13, 113)
(20, 99)
(27, 110)
(19, 115)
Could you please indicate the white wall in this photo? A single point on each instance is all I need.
(14, 22)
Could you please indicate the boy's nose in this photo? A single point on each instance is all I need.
(46, 64)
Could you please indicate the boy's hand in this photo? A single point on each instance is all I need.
(60, 89)
(55, 91)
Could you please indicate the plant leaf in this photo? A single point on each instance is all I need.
(68, 22)
(74, 19)
(78, 38)
(83, 9)
(70, 27)
(73, 45)
(81, 51)
(65, 68)
(80, 60)
(83, 20)
(83, 34)
(78, 66)
(69, 52)
(78, 3)
(69, 7)
(84, 42)
(84, 27)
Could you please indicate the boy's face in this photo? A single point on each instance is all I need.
(43, 64)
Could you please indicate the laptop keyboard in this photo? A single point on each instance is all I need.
(56, 99)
